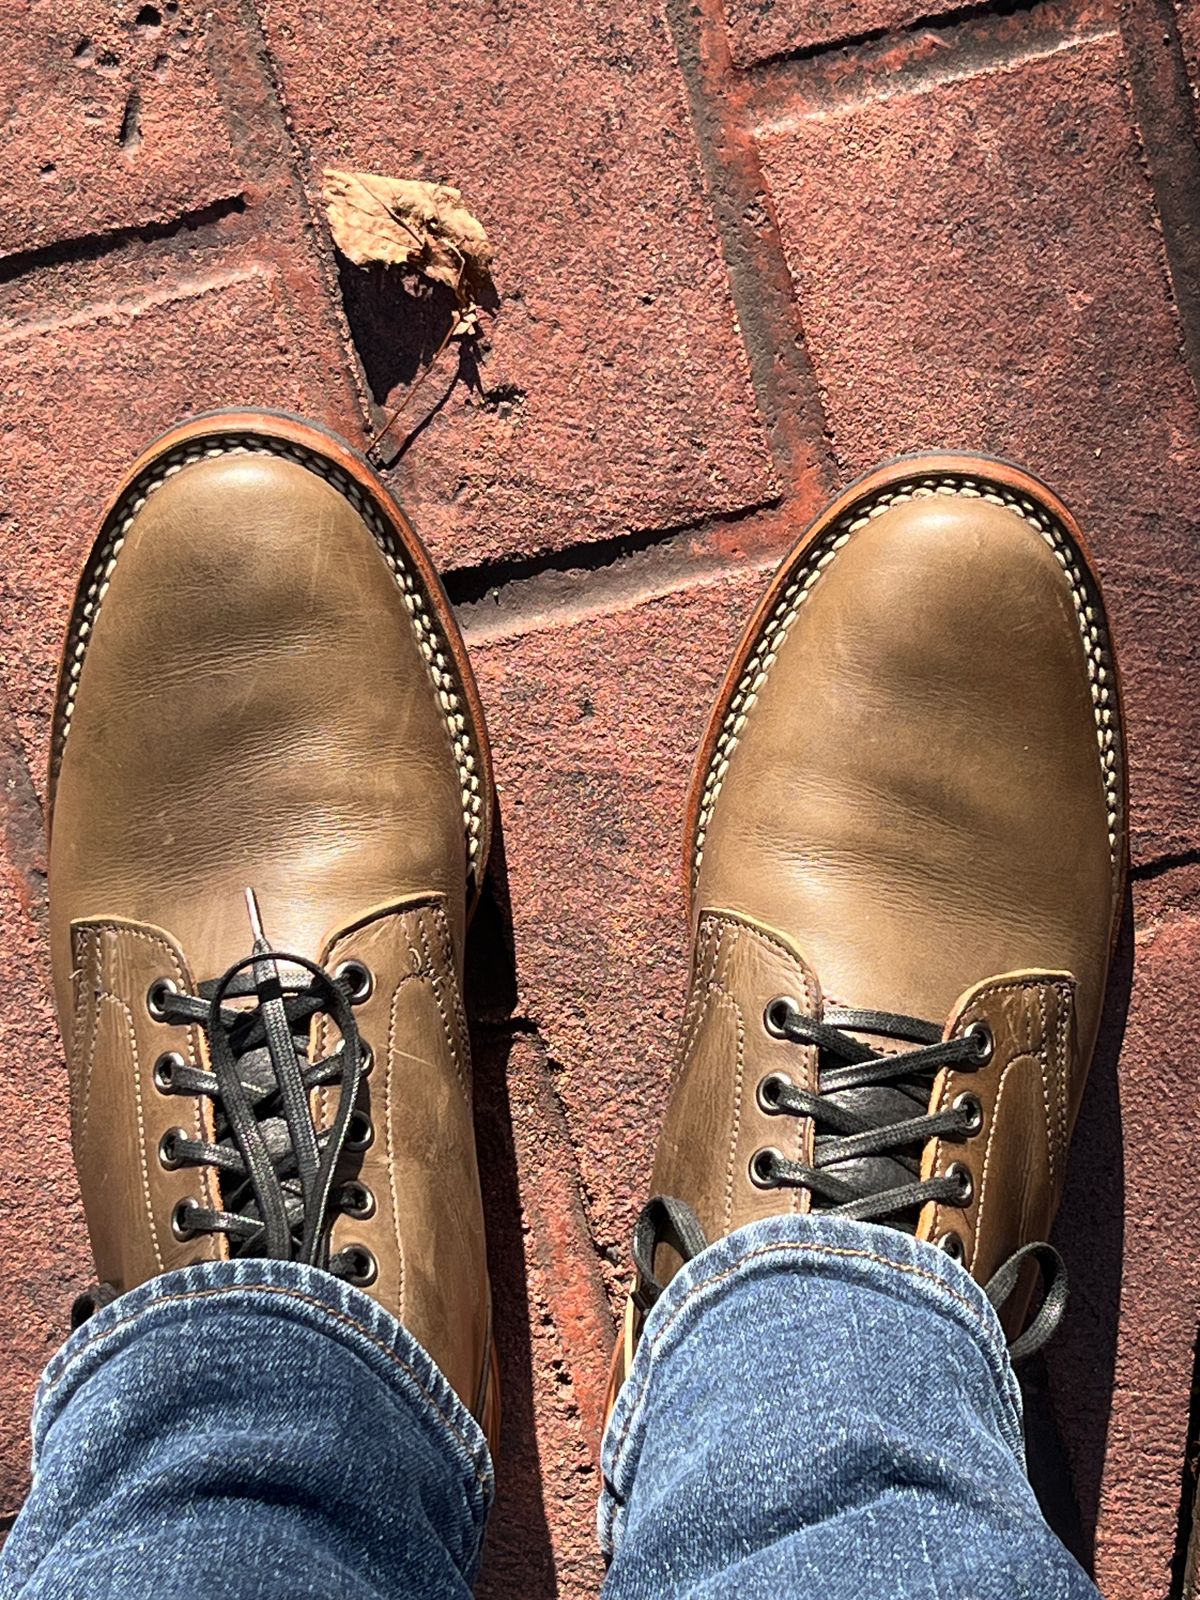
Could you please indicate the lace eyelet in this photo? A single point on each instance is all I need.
(768, 1092)
(357, 1201)
(366, 1056)
(180, 1226)
(961, 1174)
(763, 1167)
(779, 1013)
(165, 1068)
(952, 1244)
(365, 1268)
(156, 997)
(168, 1148)
(357, 979)
(972, 1106)
(360, 1133)
(984, 1041)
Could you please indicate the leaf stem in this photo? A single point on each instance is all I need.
(417, 387)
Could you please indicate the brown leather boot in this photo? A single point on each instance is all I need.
(263, 685)
(909, 807)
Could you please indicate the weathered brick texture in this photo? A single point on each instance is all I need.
(743, 250)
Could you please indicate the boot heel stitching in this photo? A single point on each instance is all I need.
(144, 1172)
(401, 1272)
(977, 1230)
(721, 997)
(1044, 1068)
(435, 978)
(1065, 1014)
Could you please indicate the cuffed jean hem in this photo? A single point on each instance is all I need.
(859, 1256)
(255, 1429)
(206, 1294)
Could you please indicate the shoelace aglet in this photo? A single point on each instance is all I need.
(264, 971)
(254, 912)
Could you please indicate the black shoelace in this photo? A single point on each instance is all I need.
(277, 1171)
(872, 1121)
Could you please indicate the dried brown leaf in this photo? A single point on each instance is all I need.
(423, 227)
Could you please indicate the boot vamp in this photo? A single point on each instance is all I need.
(917, 796)
(253, 708)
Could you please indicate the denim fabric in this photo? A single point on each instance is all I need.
(826, 1408)
(817, 1407)
(249, 1428)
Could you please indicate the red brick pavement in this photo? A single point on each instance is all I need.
(743, 250)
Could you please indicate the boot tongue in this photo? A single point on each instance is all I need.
(264, 1029)
(880, 1105)
(256, 1072)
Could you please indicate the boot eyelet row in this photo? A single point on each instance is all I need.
(168, 1149)
(779, 1013)
(984, 1041)
(360, 1133)
(763, 1166)
(769, 1090)
(365, 1269)
(181, 1226)
(357, 979)
(156, 997)
(951, 1241)
(165, 1068)
(961, 1174)
(972, 1106)
(357, 1201)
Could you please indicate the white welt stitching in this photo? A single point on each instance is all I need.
(432, 645)
(793, 597)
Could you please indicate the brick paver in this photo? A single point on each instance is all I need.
(744, 248)
(118, 124)
(761, 32)
(622, 399)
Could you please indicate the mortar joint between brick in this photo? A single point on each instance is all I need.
(95, 246)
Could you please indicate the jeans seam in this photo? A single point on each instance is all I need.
(287, 1294)
(791, 1247)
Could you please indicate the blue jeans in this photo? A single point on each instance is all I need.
(817, 1407)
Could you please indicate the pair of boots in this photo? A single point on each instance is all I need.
(905, 859)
